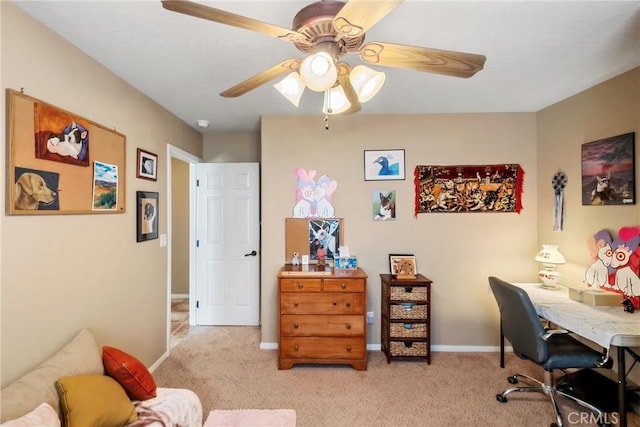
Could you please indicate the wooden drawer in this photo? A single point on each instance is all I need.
(322, 326)
(322, 303)
(344, 285)
(408, 293)
(322, 348)
(300, 285)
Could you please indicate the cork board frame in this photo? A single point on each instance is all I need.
(83, 173)
(298, 237)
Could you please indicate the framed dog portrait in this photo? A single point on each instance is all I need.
(383, 165)
(400, 264)
(147, 165)
(147, 215)
(608, 171)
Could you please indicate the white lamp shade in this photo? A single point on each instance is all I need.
(318, 71)
(335, 101)
(291, 87)
(366, 82)
(549, 254)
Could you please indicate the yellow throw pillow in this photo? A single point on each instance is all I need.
(94, 400)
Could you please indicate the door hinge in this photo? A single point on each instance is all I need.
(197, 243)
(197, 183)
(197, 304)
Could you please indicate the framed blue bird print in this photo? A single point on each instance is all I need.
(383, 165)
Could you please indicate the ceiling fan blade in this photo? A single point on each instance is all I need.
(357, 16)
(216, 15)
(349, 91)
(261, 78)
(450, 63)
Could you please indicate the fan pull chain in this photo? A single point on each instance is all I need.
(326, 122)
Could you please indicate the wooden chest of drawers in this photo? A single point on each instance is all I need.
(322, 318)
(406, 317)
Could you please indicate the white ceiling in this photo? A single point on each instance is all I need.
(538, 53)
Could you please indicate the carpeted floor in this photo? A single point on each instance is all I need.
(226, 368)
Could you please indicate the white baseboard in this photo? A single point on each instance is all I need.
(434, 348)
(179, 296)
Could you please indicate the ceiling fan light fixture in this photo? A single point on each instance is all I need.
(319, 72)
(366, 82)
(335, 101)
(291, 87)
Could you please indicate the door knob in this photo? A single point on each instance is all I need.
(252, 253)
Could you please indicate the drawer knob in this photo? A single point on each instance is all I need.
(296, 326)
(348, 325)
(348, 305)
(300, 285)
(344, 286)
(295, 347)
(296, 303)
(348, 348)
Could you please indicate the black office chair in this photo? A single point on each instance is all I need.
(549, 348)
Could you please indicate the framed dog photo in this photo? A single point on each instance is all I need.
(146, 215)
(147, 165)
(400, 264)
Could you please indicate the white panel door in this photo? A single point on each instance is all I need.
(228, 242)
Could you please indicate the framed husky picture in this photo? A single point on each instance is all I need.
(608, 171)
(383, 165)
(146, 215)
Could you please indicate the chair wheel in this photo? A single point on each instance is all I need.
(501, 398)
(513, 380)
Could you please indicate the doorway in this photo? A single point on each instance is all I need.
(187, 231)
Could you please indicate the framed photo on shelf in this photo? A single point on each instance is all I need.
(400, 264)
(147, 165)
(146, 215)
(384, 165)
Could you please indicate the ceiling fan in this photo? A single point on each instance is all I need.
(326, 31)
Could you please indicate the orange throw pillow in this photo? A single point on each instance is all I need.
(132, 375)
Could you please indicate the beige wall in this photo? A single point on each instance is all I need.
(61, 273)
(179, 227)
(231, 147)
(608, 109)
(457, 251)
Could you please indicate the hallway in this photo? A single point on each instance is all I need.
(179, 319)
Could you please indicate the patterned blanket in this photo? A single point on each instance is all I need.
(481, 188)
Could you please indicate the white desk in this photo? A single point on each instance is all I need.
(606, 326)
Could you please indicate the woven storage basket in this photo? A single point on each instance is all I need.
(408, 348)
(417, 311)
(408, 293)
(408, 330)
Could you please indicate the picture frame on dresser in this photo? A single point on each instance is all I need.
(396, 259)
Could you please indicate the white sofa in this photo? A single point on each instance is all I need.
(73, 388)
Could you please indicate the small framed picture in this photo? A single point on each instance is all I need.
(147, 215)
(399, 264)
(147, 165)
(383, 165)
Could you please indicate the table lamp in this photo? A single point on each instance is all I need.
(549, 256)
